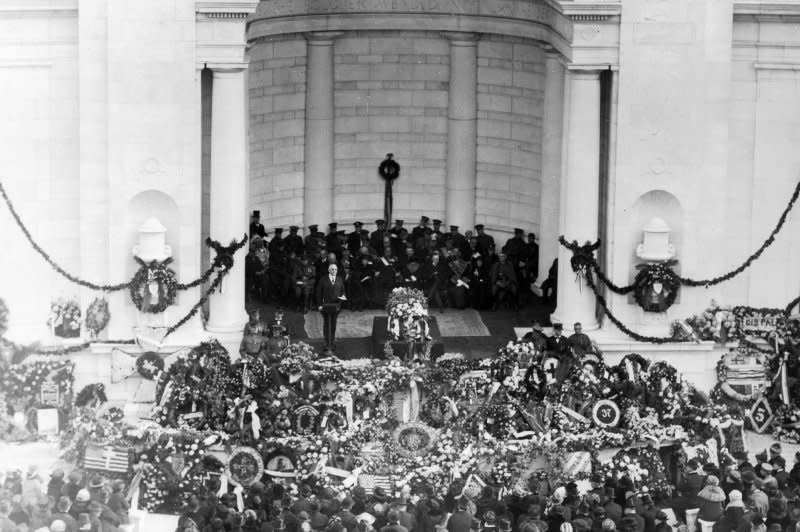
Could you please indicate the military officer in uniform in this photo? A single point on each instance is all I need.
(294, 242)
(276, 242)
(484, 240)
(376, 238)
(312, 243)
(354, 238)
(333, 244)
(419, 231)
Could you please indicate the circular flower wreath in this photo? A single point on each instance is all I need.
(648, 276)
(3, 318)
(149, 365)
(97, 316)
(154, 272)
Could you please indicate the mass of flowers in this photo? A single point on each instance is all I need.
(417, 424)
(407, 309)
(65, 318)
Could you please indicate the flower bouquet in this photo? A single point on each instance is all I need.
(295, 359)
(65, 318)
(408, 310)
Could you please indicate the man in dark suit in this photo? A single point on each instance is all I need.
(332, 242)
(256, 229)
(330, 294)
(558, 344)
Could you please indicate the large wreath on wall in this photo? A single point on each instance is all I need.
(656, 286)
(154, 286)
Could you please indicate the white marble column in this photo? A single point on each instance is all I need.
(462, 130)
(550, 199)
(319, 165)
(229, 192)
(580, 194)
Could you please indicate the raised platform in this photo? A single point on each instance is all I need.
(380, 335)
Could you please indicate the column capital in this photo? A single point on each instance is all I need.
(461, 38)
(322, 38)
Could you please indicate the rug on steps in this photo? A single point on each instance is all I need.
(358, 324)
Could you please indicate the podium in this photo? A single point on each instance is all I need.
(380, 335)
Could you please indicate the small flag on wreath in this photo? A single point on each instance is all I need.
(108, 458)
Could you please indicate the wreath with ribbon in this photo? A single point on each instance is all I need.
(582, 255)
(656, 286)
(164, 277)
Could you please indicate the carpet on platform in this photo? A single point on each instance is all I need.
(358, 324)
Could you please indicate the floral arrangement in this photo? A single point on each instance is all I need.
(642, 466)
(407, 309)
(656, 286)
(97, 316)
(65, 318)
(24, 381)
(154, 286)
(296, 358)
(149, 365)
(3, 318)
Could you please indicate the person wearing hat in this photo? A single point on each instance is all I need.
(710, 499)
(394, 232)
(376, 237)
(778, 512)
(81, 504)
(515, 248)
(313, 240)
(436, 229)
(294, 242)
(454, 239)
(355, 239)
(318, 519)
(483, 240)
(764, 473)
(489, 522)
(536, 336)
(256, 229)
(419, 230)
(558, 344)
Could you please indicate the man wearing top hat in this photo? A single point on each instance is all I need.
(294, 242)
(354, 239)
(376, 237)
(256, 229)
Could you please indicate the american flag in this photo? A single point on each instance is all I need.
(370, 482)
(106, 458)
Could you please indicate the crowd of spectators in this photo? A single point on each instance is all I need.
(733, 497)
